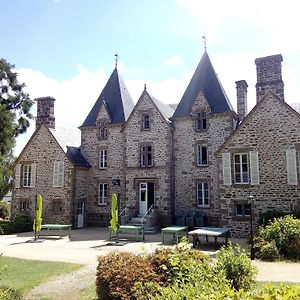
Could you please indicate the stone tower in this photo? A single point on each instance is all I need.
(45, 112)
(241, 95)
(269, 76)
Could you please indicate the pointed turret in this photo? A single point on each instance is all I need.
(117, 99)
(205, 80)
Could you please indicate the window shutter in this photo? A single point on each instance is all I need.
(291, 167)
(33, 175)
(254, 167)
(55, 173)
(226, 161)
(18, 176)
(61, 171)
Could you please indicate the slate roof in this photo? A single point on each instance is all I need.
(204, 79)
(166, 110)
(69, 140)
(117, 99)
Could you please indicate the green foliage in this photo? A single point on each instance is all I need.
(118, 272)
(237, 267)
(20, 223)
(6, 173)
(283, 292)
(9, 294)
(285, 233)
(4, 209)
(269, 252)
(269, 216)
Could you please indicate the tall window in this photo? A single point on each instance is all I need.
(102, 194)
(103, 131)
(26, 175)
(241, 168)
(146, 156)
(58, 174)
(103, 159)
(202, 159)
(201, 121)
(202, 194)
(146, 122)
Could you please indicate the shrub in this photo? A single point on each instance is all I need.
(117, 273)
(285, 232)
(237, 267)
(20, 223)
(269, 216)
(4, 209)
(269, 252)
(9, 294)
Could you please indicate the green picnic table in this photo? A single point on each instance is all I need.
(175, 231)
(55, 229)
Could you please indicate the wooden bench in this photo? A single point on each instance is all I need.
(125, 231)
(175, 231)
(215, 232)
(55, 229)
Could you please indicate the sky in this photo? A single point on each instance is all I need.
(66, 48)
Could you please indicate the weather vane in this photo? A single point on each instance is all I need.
(116, 56)
(145, 86)
(204, 41)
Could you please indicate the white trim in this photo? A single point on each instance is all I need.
(240, 155)
(202, 198)
(102, 193)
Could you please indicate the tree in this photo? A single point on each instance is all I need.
(15, 113)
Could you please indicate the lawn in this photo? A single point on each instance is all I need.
(23, 275)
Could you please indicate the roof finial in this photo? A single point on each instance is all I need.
(145, 86)
(116, 56)
(204, 42)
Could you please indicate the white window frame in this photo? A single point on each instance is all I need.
(240, 155)
(103, 159)
(203, 195)
(200, 160)
(58, 174)
(102, 193)
(26, 175)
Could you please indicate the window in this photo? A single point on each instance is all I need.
(241, 168)
(26, 175)
(24, 205)
(58, 174)
(146, 122)
(243, 210)
(202, 193)
(146, 156)
(201, 121)
(202, 159)
(103, 159)
(56, 207)
(103, 131)
(102, 195)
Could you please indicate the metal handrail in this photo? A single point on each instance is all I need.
(120, 214)
(144, 216)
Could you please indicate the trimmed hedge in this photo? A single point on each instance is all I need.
(20, 223)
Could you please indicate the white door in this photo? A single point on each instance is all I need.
(143, 198)
(80, 214)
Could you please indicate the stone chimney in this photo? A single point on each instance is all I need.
(45, 112)
(269, 76)
(241, 96)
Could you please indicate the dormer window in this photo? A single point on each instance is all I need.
(146, 122)
(201, 121)
(103, 130)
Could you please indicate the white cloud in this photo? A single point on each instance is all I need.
(175, 60)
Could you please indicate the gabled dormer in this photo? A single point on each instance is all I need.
(204, 84)
(117, 100)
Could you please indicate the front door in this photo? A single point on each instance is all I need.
(146, 196)
(80, 214)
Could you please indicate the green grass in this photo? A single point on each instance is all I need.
(23, 275)
(89, 293)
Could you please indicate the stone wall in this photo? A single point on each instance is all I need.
(271, 128)
(187, 173)
(43, 150)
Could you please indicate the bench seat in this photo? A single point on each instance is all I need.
(129, 231)
(175, 231)
(55, 229)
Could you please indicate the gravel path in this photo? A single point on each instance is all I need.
(66, 286)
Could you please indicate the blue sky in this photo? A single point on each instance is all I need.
(65, 48)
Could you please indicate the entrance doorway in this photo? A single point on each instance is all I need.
(146, 196)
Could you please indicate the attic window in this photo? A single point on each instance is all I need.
(201, 121)
(146, 122)
(103, 131)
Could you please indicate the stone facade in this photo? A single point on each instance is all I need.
(270, 130)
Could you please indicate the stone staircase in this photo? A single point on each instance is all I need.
(149, 222)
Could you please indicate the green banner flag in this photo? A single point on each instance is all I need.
(114, 222)
(37, 223)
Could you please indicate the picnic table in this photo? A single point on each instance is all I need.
(55, 229)
(175, 231)
(215, 232)
(125, 231)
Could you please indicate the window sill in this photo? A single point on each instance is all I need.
(102, 204)
(241, 218)
(103, 168)
(203, 206)
(203, 166)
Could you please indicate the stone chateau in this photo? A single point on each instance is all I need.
(202, 156)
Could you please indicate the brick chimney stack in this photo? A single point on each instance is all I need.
(269, 76)
(45, 112)
(241, 95)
